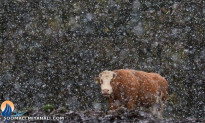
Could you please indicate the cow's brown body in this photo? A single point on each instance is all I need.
(132, 87)
(137, 88)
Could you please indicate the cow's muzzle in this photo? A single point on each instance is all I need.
(105, 93)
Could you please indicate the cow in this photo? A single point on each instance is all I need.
(130, 88)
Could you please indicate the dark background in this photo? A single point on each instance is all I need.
(50, 50)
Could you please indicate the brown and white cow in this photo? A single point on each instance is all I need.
(130, 88)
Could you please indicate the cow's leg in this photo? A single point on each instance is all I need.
(156, 111)
(161, 105)
(113, 104)
(131, 102)
(161, 109)
(158, 107)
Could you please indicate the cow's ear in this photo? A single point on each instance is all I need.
(97, 80)
(114, 75)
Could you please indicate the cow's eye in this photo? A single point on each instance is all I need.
(101, 81)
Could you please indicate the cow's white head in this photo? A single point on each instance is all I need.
(105, 79)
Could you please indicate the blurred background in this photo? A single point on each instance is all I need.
(50, 50)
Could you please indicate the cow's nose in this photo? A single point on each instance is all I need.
(105, 91)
